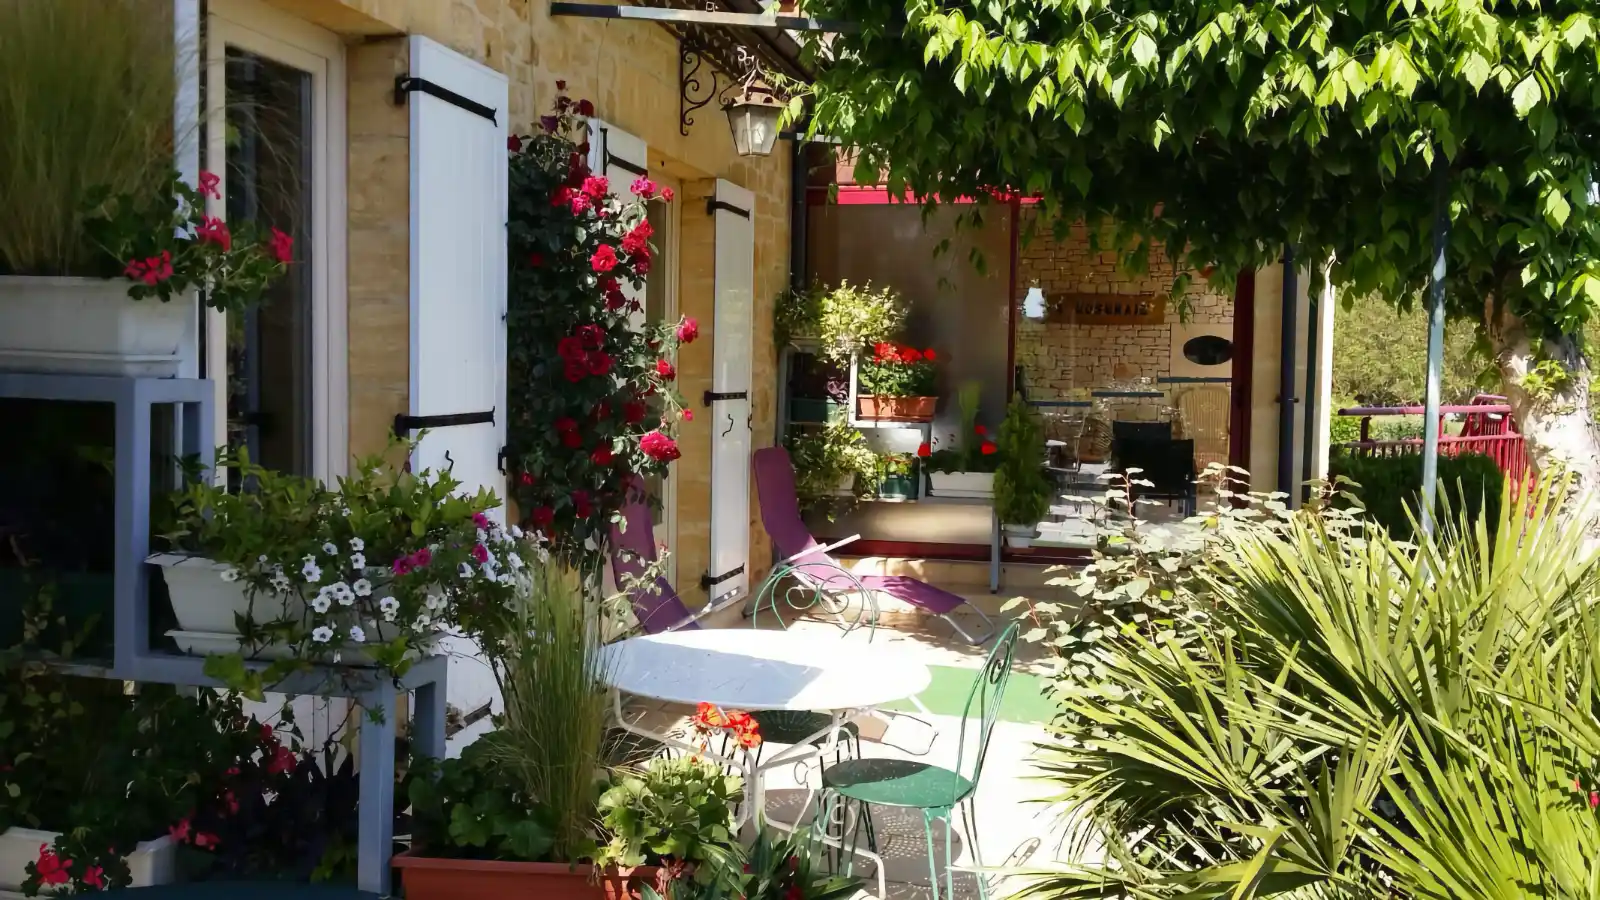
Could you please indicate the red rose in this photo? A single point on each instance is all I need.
(633, 412)
(615, 300)
(542, 517)
(666, 194)
(688, 330)
(571, 440)
(596, 186)
(536, 259)
(638, 238)
(987, 448)
(574, 371)
(593, 336)
(561, 84)
(688, 415)
(580, 204)
(514, 144)
(602, 455)
(641, 264)
(924, 450)
(549, 123)
(597, 363)
(527, 479)
(570, 348)
(659, 447)
(604, 259)
(566, 423)
(665, 370)
(581, 504)
(643, 187)
(585, 108)
(561, 197)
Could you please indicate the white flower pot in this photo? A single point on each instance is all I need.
(1019, 537)
(846, 487)
(966, 485)
(153, 863)
(89, 326)
(199, 643)
(205, 603)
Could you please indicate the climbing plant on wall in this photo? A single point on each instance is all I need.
(589, 383)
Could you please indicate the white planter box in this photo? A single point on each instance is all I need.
(846, 487)
(1019, 537)
(967, 485)
(206, 604)
(198, 643)
(89, 326)
(154, 862)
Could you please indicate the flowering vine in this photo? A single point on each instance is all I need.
(589, 382)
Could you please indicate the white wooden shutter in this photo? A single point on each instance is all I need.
(458, 287)
(620, 157)
(734, 209)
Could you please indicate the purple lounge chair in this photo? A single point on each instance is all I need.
(780, 514)
(657, 606)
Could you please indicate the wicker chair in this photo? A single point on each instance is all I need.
(1203, 414)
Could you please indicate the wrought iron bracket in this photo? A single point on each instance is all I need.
(694, 70)
(405, 84)
(713, 396)
(404, 424)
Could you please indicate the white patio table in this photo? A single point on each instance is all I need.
(749, 670)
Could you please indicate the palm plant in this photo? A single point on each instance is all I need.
(1338, 713)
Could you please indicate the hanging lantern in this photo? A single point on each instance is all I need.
(753, 115)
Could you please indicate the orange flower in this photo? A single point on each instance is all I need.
(749, 737)
(708, 717)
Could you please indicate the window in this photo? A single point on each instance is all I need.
(274, 133)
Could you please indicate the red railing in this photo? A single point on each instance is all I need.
(1488, 429)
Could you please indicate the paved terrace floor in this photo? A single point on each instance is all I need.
(1015, 823)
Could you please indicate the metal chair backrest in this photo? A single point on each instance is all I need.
(633, 549)
(987, 693)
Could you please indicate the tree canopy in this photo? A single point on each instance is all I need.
(1227, 130)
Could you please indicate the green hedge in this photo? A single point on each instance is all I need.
(1388, 485)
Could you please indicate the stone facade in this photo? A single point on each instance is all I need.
(630, 71)
(1065, 361)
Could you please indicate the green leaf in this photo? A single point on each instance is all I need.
(1526, 96)
(1144, 50)
(1556, 207)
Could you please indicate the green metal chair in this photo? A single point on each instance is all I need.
(937, 792)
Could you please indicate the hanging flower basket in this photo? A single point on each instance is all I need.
(911, 409)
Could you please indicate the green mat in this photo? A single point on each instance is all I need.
(1025, 700)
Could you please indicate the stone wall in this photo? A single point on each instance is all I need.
(629, 70)
(1064, 361)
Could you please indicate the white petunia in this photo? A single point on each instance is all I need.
(505, 580)
(358, 561)
(262, 559)
(435, 602)
(488, 570)
(230, 574)
(483, 536)
(312, 573)
(357, 544)
(330, 548)
(515, 562)
(322, 634)
(389, 606)
(357, 635)
(280, 581)
(321, 602)
(422, 622)
(516, 531)
(362, 587)
(342, 593)
(465, 571)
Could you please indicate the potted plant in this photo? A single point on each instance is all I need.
(1022, 489)
(897, 478)
(515, 814)
(898, 383)
(841, 321)
(817, 389)
(832, 462)
(965, 466)
(367, 573)
(776, 866)
(104, 247)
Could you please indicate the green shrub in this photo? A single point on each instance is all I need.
(1389, 487)
(1022, 490)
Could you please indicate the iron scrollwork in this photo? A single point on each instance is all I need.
(696, 90)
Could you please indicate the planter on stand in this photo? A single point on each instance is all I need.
(1019, 537)
(89, 326)
(910, 409)
(152, 863)
(435, 878)
(898, 487)
(814, 411)
(206, 604)
(963, 485)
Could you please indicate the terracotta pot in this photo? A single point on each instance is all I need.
(436, 878)
(916, 409)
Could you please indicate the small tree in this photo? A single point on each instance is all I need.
(1226, 131)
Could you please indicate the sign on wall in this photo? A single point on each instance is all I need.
(1108, 309)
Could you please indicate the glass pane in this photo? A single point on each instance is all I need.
(269, 141)
(655, 313)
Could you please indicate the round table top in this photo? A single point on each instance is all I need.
(747, 669)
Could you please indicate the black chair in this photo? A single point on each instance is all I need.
(1149, 431)
(1167, 464)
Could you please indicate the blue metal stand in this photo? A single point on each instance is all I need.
(134, 401)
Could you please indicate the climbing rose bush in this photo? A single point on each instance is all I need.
(589, 383)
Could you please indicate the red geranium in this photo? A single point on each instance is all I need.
(924, 450)
(929, 355)
(604, 259)
(213, 230)
(211, 185)
(282, 247)
(51, 868)
(987, 448)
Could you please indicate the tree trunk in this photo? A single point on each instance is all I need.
(1553, 417)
